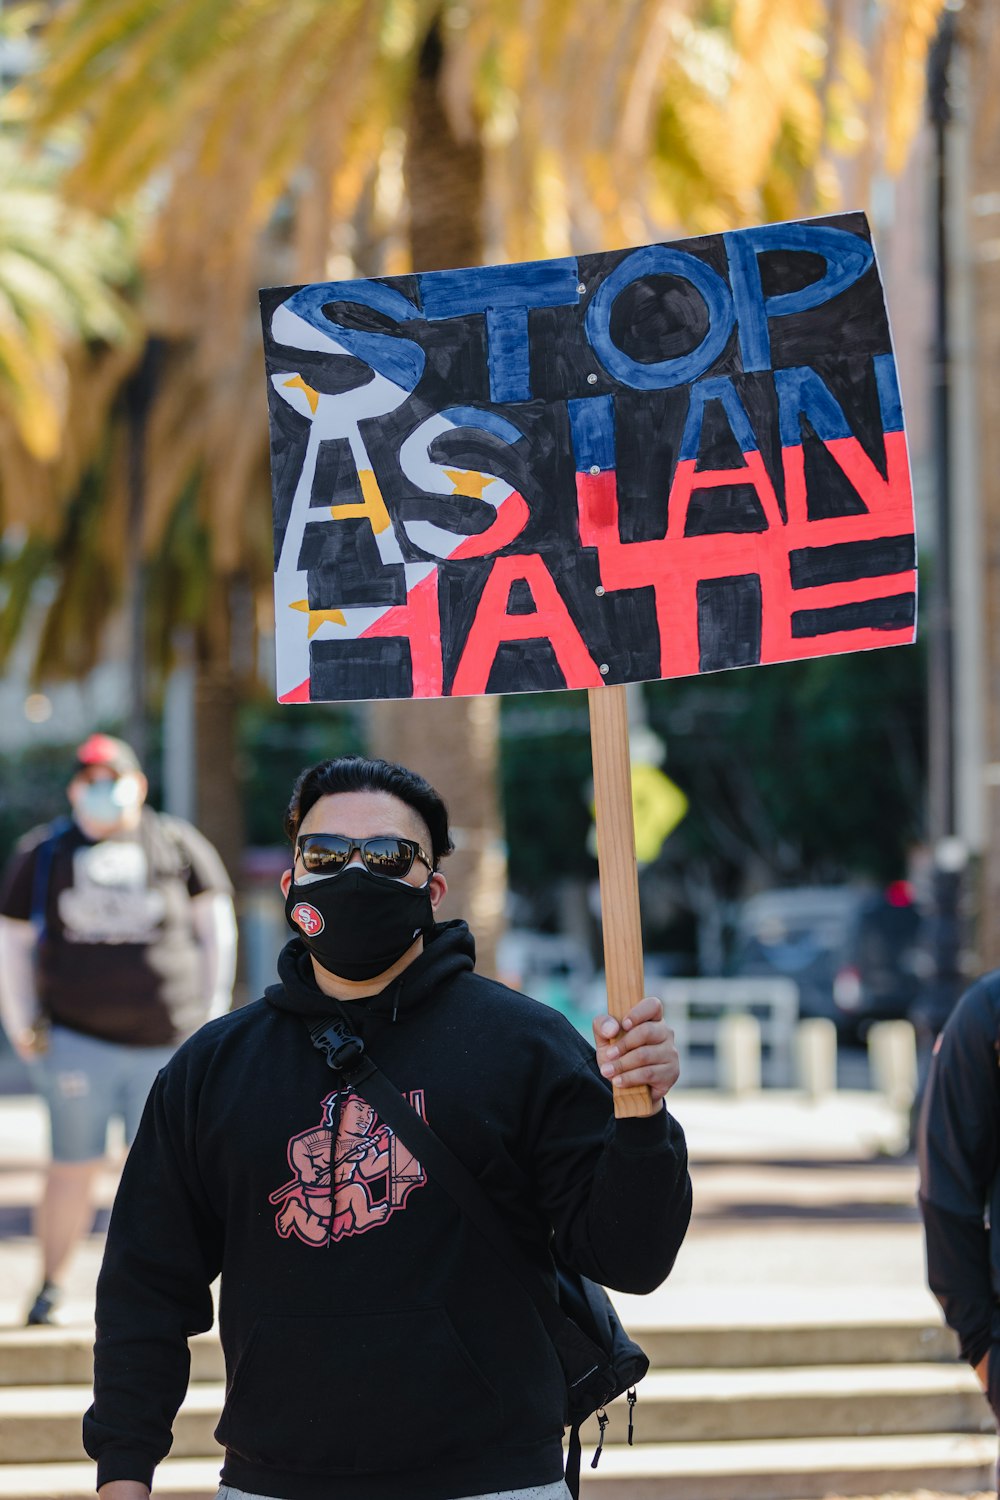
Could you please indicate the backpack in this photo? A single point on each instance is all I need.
(598, 1358)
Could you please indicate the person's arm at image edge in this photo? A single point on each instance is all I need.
(958, 1144)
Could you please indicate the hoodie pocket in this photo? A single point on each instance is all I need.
(359, 1393)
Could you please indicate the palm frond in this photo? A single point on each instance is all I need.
(59, 268)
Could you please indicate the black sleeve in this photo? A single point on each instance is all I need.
(958, 1273)
(163, 1253)
(617, 1192)
(958, 1145)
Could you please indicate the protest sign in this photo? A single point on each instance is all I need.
(625, 466)
(589, 471)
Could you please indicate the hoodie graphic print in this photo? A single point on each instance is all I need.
(353, 1187)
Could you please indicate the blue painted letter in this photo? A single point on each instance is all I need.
(658, 260)
(847, 258)
(504, 294)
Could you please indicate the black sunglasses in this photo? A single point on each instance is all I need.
(329, 853)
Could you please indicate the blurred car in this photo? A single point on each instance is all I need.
(853, 950)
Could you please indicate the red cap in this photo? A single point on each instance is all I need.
(105, 750)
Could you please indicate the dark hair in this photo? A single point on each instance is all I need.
(353, 773)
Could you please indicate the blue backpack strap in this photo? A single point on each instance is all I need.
(44, 853)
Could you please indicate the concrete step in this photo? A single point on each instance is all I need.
(904, 1468)
(39, 1423)
(62, 1356)
(176, 1479)
(800, 1402)
(797, 1469)
(745, 1346)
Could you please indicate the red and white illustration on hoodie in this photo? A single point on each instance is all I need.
(371, 1174)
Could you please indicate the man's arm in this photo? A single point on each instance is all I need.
(163, 1253)
(959, 1136)
(18, 994)
(214, 923)
(617, 1192)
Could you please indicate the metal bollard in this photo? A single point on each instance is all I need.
(737, 1052)
(892, 1058)
(816, 1057)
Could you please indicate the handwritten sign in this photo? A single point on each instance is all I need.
(640, 464)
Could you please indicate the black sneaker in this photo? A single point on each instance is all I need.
(41, 1310)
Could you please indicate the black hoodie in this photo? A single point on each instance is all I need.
(959, 1150)
(380, 1347)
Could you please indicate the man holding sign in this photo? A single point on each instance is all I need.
(376, 1347)
(573, 473)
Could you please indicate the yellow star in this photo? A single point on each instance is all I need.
(469, 481)
(298, 384)
(318, 617)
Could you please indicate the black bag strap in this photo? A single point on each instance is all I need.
(345, 1053)
(44, 853)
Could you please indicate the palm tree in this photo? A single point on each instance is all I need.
(286, 140)
(59, 267)
(67, 339)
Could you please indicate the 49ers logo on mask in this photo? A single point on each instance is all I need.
(308, 918)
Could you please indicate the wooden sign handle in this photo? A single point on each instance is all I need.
(623, 965)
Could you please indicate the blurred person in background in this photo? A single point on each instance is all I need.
(959, 1153)
(117, 940)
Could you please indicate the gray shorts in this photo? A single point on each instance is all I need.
(557, 1491)
(86, 1083)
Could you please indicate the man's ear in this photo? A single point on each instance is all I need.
(438, 888)
(285, 882)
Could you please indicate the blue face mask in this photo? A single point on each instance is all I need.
(106, 801)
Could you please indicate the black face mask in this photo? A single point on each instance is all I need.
(356, 925)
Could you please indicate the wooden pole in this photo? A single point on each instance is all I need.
(623, 964)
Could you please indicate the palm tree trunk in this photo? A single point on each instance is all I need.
(453, 742)
(444, 174)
